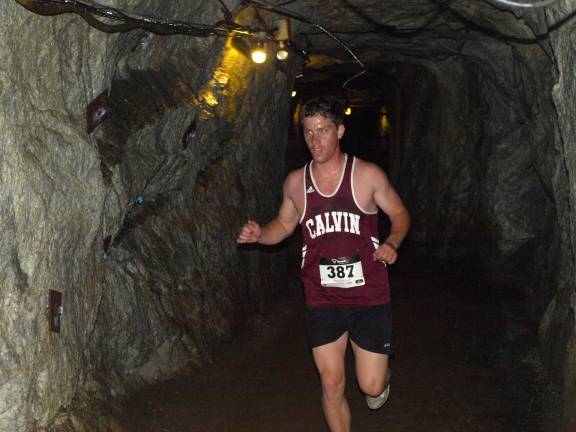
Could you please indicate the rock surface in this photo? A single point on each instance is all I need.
(135, 222)
(558, 326)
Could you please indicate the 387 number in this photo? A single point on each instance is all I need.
(340, 271)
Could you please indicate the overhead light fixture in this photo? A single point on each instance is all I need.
(258, 53)
(293, 93)
(282, 53)
(348, 111)
(282, 35)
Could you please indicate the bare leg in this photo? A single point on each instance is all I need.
(329, 360)
(372, 370)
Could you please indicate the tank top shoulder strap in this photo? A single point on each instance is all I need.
(307, 183)
(346, 186)
(307, 175)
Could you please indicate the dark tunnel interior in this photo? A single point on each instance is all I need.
(139, 136)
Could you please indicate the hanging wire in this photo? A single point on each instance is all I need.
(534, 5)
(159, 26)
(131, 21)
(279, 10)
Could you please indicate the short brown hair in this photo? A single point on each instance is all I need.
(327, 107)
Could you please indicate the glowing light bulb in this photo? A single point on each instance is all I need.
(384, 123)
(258, 55)
(293, 93)
(348, 111)
(282, 53)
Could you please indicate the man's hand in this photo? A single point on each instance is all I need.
(250, 233)
(386, 253)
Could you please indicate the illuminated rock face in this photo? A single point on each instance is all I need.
(135, 223)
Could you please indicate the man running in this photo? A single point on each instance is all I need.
(335, 198)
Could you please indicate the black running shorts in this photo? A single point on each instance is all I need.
(369, 327)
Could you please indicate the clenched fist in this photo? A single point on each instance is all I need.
(386, 253)
(250, 233)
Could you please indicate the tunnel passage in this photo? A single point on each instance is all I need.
(442, 147)
(134, 219)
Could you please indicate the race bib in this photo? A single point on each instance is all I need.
(343, 272)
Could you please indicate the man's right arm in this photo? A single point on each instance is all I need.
(280, 227)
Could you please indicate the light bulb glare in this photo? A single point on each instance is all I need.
(258, 55)
(282, 53)
(348, 111)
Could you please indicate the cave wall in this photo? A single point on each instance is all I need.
(435, 161)
(558, 326)
(512, 172)
(505, 189)
(475, 157)
(136, 222)
(487, 171)
(519, 183)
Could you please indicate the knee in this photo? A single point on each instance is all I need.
(373, 386)
(333, 385)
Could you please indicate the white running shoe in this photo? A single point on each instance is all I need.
(376, 402)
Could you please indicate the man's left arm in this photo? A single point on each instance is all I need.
(390, 203)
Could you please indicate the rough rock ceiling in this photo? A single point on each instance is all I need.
(386, 33)
(384, 30)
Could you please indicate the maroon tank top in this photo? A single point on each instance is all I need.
(339, 240)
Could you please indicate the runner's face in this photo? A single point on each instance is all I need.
(322, 137)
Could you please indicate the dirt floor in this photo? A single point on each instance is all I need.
(465, 361)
